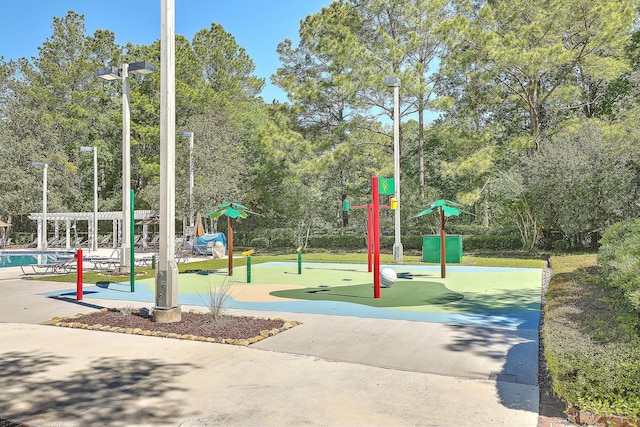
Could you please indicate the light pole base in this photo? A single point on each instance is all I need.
(167, 315)
(398, 253)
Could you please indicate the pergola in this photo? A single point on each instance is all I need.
(67, 217)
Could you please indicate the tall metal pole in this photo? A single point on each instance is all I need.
(125, 251)
(94, 243)
(191, 214)
(42, 229)
(167, 308)
(44, 205)
(397, 245)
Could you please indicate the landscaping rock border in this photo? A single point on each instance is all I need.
(122, 325)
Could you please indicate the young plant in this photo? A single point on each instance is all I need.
(126, 311)
(217, 300)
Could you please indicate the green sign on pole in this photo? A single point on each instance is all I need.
(386, 186)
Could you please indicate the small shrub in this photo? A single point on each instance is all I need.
(217, 300)
(126, 311)
(560, 245)
(260, 242)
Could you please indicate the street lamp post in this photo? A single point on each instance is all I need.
(94, 237)
(113, 73)
(395, 83)
(42, 241)
(167, 308)
(190, 135)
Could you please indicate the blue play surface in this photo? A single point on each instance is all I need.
(492, 296)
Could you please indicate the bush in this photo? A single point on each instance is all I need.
(560, 246)
(274, 237)
(411, 242)
(619, 257)
(338, 242)
(259, 243)
(592, 346)
(496, 243)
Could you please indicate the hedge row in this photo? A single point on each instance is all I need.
(358, 242)
(592, 345)
(619, 257)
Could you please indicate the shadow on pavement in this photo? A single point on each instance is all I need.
(111, 392)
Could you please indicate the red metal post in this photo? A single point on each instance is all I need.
(370, 236)
(78, 257)
(376, 237)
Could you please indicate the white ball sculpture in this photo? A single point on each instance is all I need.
(388, 277)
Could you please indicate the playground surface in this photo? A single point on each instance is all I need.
(456, 351)
(482, 296)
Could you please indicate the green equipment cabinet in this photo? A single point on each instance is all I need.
(431, 248)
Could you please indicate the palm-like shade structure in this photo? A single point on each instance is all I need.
(232, 211)
(445, 208)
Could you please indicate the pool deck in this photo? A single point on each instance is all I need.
(330, 370)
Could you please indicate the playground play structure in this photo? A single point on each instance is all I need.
(378, 186)
(385, 186)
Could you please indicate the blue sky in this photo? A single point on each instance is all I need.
(257, 25)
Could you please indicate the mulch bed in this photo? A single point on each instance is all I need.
(194, 325)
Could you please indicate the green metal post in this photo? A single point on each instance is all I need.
(299, 262)
(249, 269)
(132, 277)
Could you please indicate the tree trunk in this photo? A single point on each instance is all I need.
(230, 243)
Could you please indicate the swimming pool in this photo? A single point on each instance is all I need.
(16, 259)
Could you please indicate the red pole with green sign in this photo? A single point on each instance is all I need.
(376, 236)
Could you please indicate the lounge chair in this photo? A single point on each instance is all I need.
(58, 267)
(110, 263)
(105, 241)
(155, 242)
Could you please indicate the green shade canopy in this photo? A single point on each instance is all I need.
(446, 206)
(230, 209)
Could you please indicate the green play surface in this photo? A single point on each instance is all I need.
(465, 289)
(404, 293)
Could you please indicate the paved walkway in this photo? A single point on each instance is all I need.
(331, 370)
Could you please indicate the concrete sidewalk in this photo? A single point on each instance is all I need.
(331, 370)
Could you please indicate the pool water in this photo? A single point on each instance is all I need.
(16, 260)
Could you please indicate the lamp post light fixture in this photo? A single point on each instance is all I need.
(395, 83)
(42, 240)
(190, 135)
(94, 227)
(113, 73)
(167, 308)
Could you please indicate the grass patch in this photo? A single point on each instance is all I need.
(521, 261)
(591, 340)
